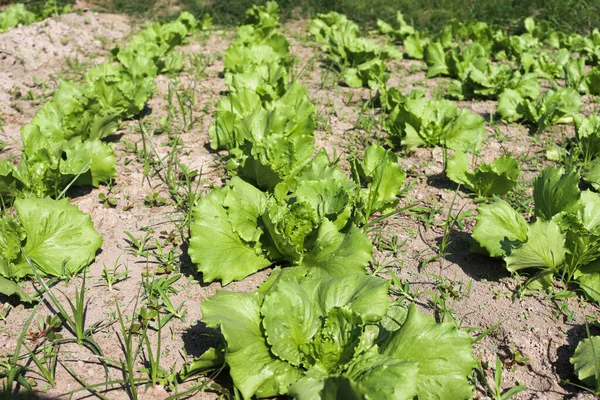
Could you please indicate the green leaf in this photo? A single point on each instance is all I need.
(57, 233)
(586, 360)
(591, 174)
(529, 24)
(289, 228)
(414, 46)
(389, 377)
(291, 319)
(443, 354)
(253, 368)
(382, 176)
(457, 169)
(465, 133)
(10, 288)
(335, 253)
(329, 197)
(544, 248)
(245, 204)
(365, 295)
(510, 105)
(436, 60)
(11, 238)
(215, 246)
(555, 191)
(499, 228)
(334, 347)
(588, 278)
(496, 178)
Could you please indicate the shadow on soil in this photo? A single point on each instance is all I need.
(197, 340)
(562, 365)
(476, 265)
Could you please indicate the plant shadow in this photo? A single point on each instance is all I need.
(562, 366)
(476, 265)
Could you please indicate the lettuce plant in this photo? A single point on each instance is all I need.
(62, 144)
(314, 339)
(380, 178)
(582, 150)
(371, 74)
(496, 178)
(547, 65)
(554, 107)
(399, 33)
(456, 61)
(238, 230)
(310, 221)
(563, 240)
(360, 60)
(576, 77)
(489, 83)
(266, 142)
(418, 122)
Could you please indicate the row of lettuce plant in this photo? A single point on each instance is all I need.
(19, 14)
(320, 327)
(561, 238)
(360, 61)
(413, 121)
(464, 52)
(63, 147)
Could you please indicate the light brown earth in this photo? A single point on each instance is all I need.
(479, 292)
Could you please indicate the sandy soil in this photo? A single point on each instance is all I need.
(479, 292)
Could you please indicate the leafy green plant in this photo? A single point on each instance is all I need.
(398, 33)
(239, 222)
(62, 144)
(582, 150)
(381, 178)
(310, 221)
(492, 81)
(586, 361)
(563, 240)
(154, 200)
(418, 122)
(456, 62)
(360, 60)
(554, 107)
(496, 178)
(336, 335)
(108, 201)
(578, 78)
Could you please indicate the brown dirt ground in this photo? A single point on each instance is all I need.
(479, 290)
